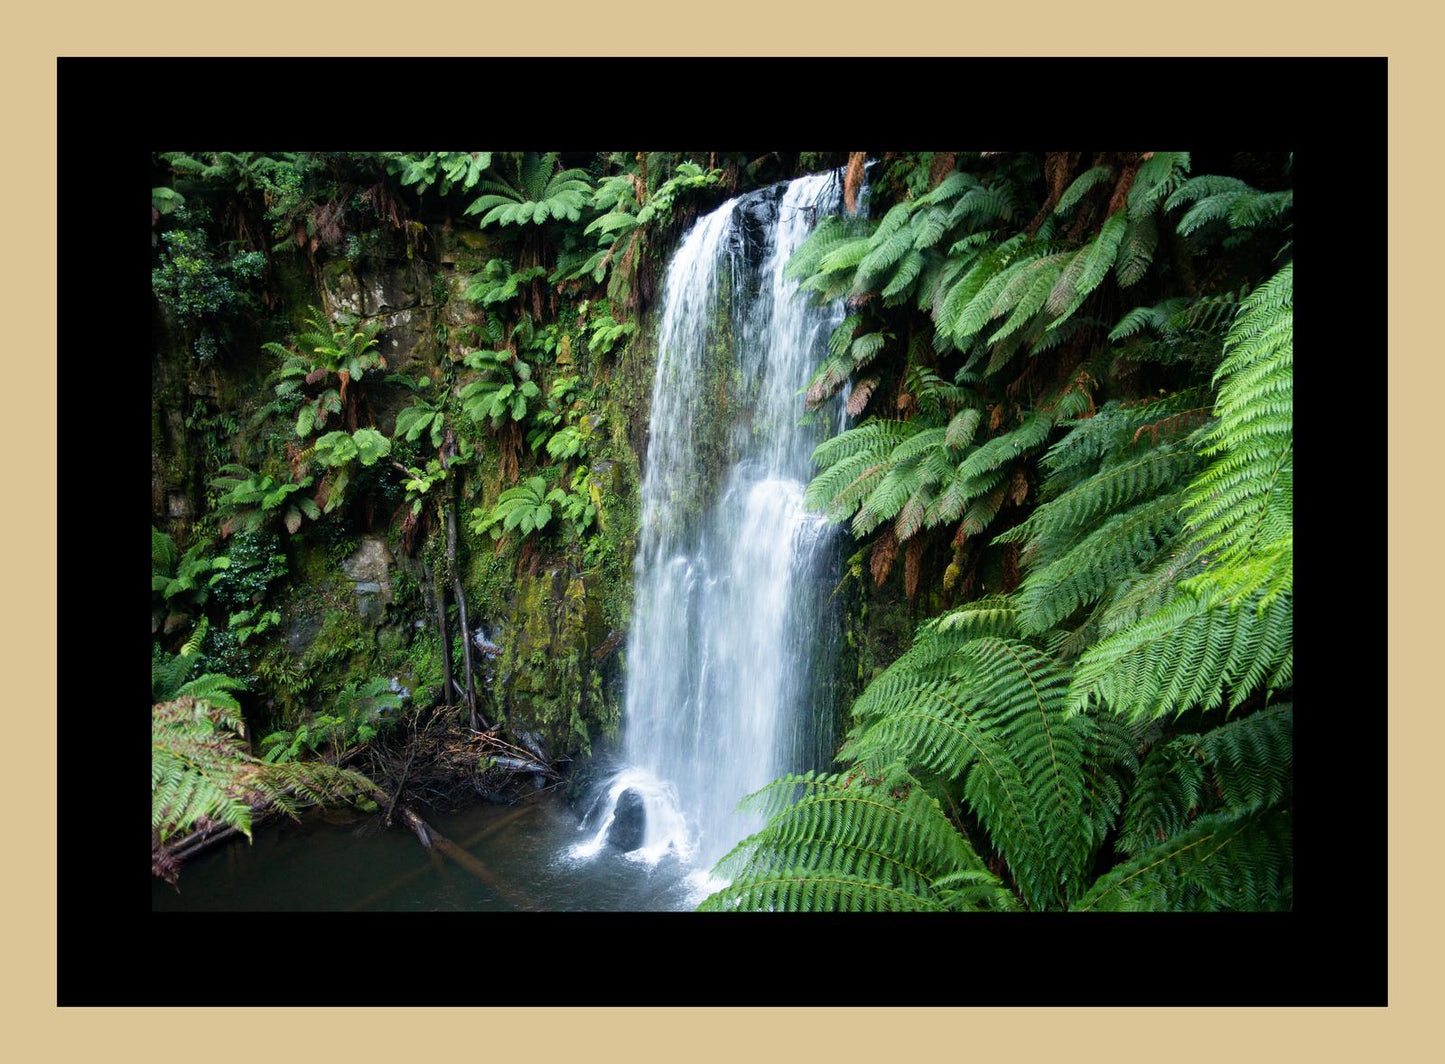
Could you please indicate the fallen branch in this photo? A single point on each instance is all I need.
(435, 840)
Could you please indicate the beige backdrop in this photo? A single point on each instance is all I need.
(41, 1032)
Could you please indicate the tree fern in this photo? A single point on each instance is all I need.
(854, 843)
(536, 193)
(1080, 187)
(1244, 502)
(1157, 563)
(1191, 653)
(1241, 767)
(202, 775)
(1222, 862)
(1094, 562)
(990, 711)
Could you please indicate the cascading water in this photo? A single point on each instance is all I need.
(730, 598)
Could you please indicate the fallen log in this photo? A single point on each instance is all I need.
(472, 840)
(435, 840)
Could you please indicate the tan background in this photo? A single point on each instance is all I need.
(41, 1032)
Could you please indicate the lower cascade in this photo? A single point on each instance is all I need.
(731, 624)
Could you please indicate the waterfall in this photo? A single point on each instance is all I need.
(730, 630)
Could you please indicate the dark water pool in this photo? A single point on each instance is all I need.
(519, 861)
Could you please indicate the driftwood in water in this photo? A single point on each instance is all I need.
(435, 840)
(396, 884)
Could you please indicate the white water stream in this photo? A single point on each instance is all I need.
(730, 609)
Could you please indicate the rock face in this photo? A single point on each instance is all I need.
(302, 633)
(629, 822)
(370, 570)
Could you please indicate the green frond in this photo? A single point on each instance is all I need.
(902, 278)
(1090, 565)
(887, 247)
(1080, 187)
(1010, 445)
(997, 718)
(980, 207)
(961, 313)
(1222, 862)
(1190, 653)
(850, 843)
(961, 428)
(1261, 208)
(928, 228)
(1093, 260)
(163, 551)
(1161, 174)
(1241, 767)
(1149, 472)
(215, 689)
(1042, 275)
(1203, 187)
(1136, 250)
(1244, 501)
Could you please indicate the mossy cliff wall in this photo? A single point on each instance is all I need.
(358, 594)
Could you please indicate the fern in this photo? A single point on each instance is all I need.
(1157, 561)
(1222, 862)
(525, 507)
(201, 774)
(1190, 653)
(1093, 563)
(1080, 187)
(1160, 175)
(990, 710)
(537, 192)
(1244, 502)
(1242, 767)
(851, 843)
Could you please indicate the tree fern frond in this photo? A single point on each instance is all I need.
(846, 842)
(1161, 174)
(993, 454)
(1151, 472)
(1190, 653)
(1080, 187)
(1222, 862)
(1093, 261)
(1088, 566)
(1244, 501)
(1136, 250)
(1240, 768)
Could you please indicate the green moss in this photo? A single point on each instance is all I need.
(343, 652)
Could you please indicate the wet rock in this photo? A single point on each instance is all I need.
(629, 822)
(369, 606)
(390, 289)
(302, 633)
(401, 342)
(340, 291)
(370, 566)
